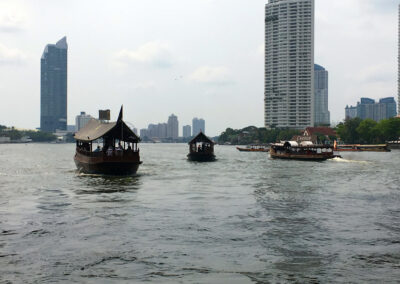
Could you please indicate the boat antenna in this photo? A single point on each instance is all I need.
(120, 121)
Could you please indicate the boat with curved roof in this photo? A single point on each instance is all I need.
(117, 152)
(201, 149)
(306, 151)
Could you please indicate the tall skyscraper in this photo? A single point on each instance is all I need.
(53, 87)
(198, 124)
(321, 112)
(398, 70)
(289, 63)
(186, 131)
(173, 127)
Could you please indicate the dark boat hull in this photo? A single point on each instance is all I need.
(107, 165)
(252, 150)
(303, 156)
(201, 157)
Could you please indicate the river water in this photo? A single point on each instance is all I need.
(242, 219)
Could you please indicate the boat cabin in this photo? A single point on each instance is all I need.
(201, 148)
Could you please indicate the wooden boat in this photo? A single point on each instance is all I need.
(253, 148)
(119, 154)
(201, 149)
(362, 148)
(393, 145)
(307, 152)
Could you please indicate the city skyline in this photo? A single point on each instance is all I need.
(357, 43)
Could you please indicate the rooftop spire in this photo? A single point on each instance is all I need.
(62, 43)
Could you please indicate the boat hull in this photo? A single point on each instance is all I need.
(104, 165)
(303, 157)
(288, 155)
(394, 145)
(201, 157)
(251, 150)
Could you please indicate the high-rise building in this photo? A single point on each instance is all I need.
(368, 108)
(289, 64)
(398, 70)
(81, 120)
(144, 133)
(173, 127)
(350, 112)
(321, 112)
(198, 124)
(53, 87)
(186, 131)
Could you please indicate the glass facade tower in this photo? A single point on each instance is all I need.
(53, 87)
(321, 112)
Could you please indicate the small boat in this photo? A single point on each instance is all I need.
(393, 145)
(361, 148)
(201, 149)
(119, 154)
(253, 148)
(305, 151)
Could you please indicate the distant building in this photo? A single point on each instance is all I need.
(316, 134)
(173, 127)
(71, 128)
(186, 131)
(144, 133)
(368, 108)
(198, 124)
(81, 120)
(321, 112)
(289, 64)
(350, 112)
(162, 130)
(53, 87)
(398, 65)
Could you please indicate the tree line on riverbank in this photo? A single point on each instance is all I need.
(352, 131)
(254, 135)
(368, 131)
(16, 135)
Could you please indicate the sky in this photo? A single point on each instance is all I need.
(193, 58)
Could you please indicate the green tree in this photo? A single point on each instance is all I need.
(347, 131)
(367, 131)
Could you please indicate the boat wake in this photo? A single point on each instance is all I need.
(342, 160)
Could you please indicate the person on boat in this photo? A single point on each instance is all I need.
(98, 149)
(119, 147)
(129, 147)
(109, 151)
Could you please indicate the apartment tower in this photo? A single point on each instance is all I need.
(289, 64)
(53, 87)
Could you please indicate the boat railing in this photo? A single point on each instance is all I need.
(108, 152)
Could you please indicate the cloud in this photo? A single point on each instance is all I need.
(154, 53)
(10, 56)
(214, 75)
(12, 16)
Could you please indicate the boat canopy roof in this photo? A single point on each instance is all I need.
(96, 129)
(201, 137)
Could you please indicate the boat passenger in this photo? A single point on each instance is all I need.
(98, 149)
(109, 151)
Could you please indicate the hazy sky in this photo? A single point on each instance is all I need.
(192, 58)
